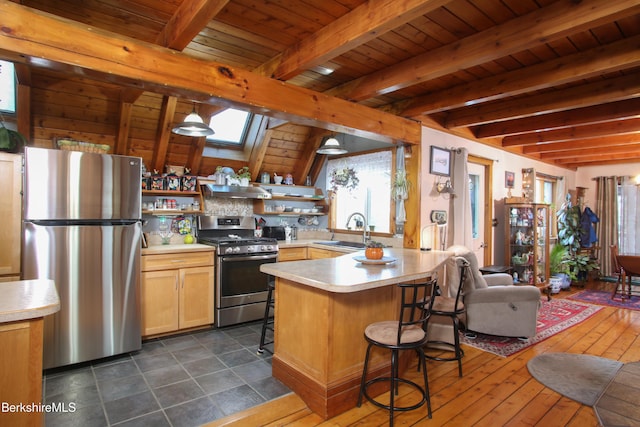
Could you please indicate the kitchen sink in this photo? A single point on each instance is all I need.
(341, 243)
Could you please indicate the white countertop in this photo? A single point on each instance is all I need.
(344, 274)
(27, 299)
(165, 249)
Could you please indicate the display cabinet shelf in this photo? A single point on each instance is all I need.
(527, 242)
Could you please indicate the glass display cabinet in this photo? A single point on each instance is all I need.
(527, 243)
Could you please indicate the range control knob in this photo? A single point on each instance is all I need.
(228, 250)
(236, 249)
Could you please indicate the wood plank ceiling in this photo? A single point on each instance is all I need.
(556, 80)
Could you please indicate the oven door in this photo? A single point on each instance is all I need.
(240, 281)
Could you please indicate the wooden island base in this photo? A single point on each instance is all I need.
(320, 346)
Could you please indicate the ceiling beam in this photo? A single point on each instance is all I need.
(626, 139)
(366, 22)
(612, 159)
(163, 132)
(590, 152)
(617, 127)
(597, 61)
(559, 19)
(626, 109)
(187, 22)
(600, 91)
(49, 40)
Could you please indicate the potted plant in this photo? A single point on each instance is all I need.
(569, 232)
(11, 141)
(244, 176)
(400, 186)
(374, 250)
(345, 177)
(558, 268)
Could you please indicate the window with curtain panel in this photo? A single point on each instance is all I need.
(371, 196)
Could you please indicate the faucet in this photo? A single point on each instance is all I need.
(364, 229)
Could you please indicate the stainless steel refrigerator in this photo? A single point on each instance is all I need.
(82, 228)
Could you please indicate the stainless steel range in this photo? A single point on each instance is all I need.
(240, 286)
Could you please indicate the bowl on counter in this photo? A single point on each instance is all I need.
(279, 208)
(306, 210)
(296, 210)
(288, 209)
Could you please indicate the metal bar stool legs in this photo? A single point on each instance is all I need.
(407, 333)
(267, 322)
(451, 307)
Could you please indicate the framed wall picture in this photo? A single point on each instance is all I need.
(509, 179)
(440, 161)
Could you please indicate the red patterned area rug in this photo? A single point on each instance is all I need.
(554, 316)
(594, 296)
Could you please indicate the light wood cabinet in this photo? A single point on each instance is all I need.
(21, 367)
(176, 291)
(316, 253)
(292, 254)
(11, 214)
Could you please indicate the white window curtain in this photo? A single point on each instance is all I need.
(373, 193)
(460, 228)
(629, 216)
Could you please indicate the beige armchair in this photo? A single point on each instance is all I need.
(494, 305)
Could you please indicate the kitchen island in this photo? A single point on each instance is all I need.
(23, 305)
(322, 308)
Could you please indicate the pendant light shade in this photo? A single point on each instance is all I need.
(193, 125)
(331, 146)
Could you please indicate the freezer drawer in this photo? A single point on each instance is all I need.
(97, 274)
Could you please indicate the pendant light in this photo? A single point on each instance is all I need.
(193, 125)
(331, 146)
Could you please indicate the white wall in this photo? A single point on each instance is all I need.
(503, 161)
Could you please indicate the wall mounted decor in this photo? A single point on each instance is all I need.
(440, 161)
(509, 179)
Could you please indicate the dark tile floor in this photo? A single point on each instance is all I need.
(185, 380)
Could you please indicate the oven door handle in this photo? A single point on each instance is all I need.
(248, 258)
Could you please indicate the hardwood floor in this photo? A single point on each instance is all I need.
(494, 391)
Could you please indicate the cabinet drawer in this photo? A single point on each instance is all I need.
(176, 260)
(292, 254)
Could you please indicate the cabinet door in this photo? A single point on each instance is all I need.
(315, 253)
(196, 297)
(159, 301)
(10, 212)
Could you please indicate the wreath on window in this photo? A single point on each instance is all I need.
(345, 177)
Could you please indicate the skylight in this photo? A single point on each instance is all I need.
(230, 126)
(7, 87)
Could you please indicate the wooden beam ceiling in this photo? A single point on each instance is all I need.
(137, 64)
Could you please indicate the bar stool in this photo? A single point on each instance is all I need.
(407, 333)
(267, 322)
(452, 308)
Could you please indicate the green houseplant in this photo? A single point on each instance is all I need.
(400, 186)
(569, 230)
(11, 141)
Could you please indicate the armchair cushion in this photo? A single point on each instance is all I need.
(494, 305)
(498, 279)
